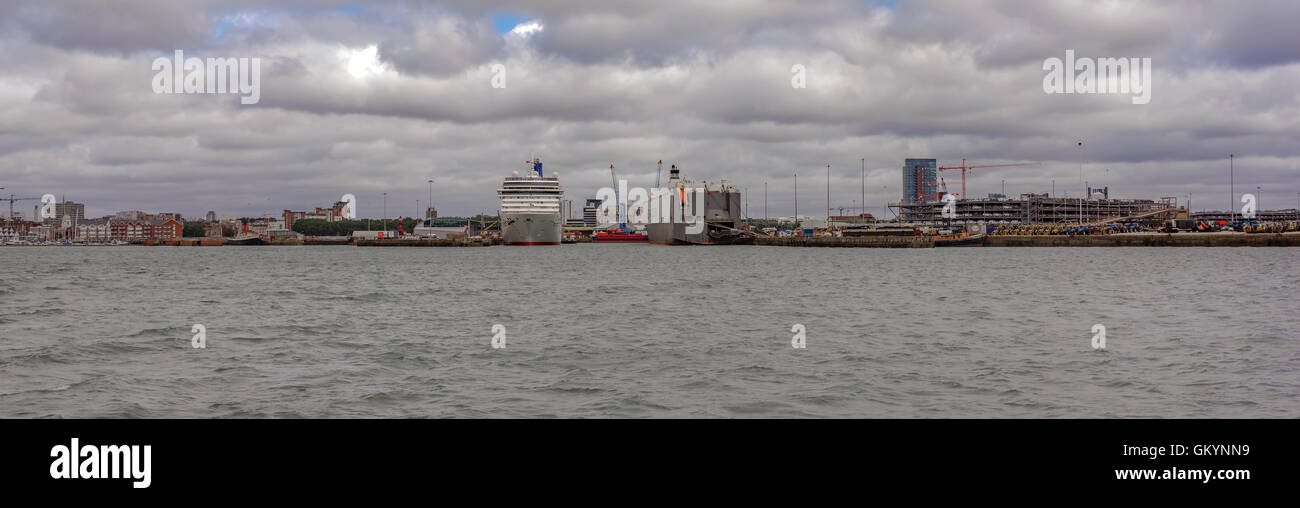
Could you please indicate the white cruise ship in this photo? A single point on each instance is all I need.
(530, 207)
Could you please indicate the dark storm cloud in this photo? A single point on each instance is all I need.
(116, 27)
(374, 97)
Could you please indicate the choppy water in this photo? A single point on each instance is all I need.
(648, 331)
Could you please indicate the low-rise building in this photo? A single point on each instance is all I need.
(331, 214)
(93, 231)
(146, 229)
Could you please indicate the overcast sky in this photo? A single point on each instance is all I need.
(373, 97)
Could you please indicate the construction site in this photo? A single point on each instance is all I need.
(925, 190)
(1038, 208)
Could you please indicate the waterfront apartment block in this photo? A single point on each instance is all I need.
(331, 214)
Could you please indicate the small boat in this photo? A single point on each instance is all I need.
(729, 237)
(244, 240)
(619, 235)
(962, 239)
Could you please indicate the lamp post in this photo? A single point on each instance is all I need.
(1232, 192)
(426, 214)
(1084, 191)
(385, 212)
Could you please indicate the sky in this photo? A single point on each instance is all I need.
(367, 98)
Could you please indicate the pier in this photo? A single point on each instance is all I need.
(424, 242)
(898, 242)
(1148, 240)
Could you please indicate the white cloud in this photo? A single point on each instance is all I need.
(369, 101)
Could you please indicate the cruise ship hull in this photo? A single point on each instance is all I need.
(531, 228)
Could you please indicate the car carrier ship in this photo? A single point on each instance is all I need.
(721, 214)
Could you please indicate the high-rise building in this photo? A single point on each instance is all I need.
(74, 211)
(212, 216)
(589, 211)
(566, 210)
(920, 180)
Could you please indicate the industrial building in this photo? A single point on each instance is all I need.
(1037, 208)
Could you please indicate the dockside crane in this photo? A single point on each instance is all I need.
(11, 199)
(963, 167)
(613, 179)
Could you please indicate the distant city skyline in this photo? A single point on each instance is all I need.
(380, 97)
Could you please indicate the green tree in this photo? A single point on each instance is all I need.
(194, 230)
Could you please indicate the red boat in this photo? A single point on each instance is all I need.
(619, 236)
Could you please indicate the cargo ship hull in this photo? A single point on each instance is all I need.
(722, 221)
(531, 228)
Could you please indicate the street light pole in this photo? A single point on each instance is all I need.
(1232, 192)
(1084, 191)
(385, 211)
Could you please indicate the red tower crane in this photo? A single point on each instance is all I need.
(963, 167)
